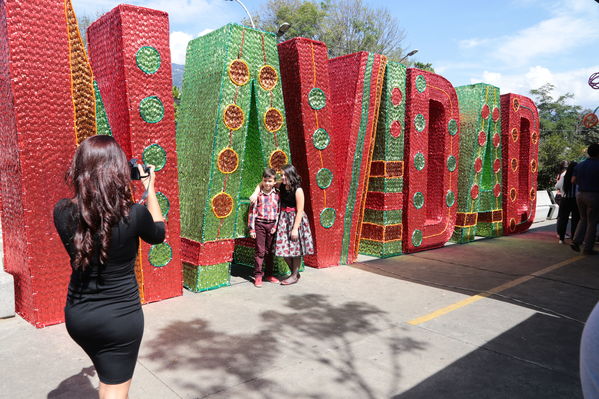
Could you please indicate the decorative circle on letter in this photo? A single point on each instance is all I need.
(147, 59)
(151, 109)
(155, 155)
(222, 205)
(514, 164)
(419, 161)
(512, 224)
(496, 140)
(513, 194)
(239, 72)
(452, 163)
(419, 122)
(395, 129)
(317, 99)
(450, 198)
(495, 114)
(452, 127)
(327, 217)
(478, 165)
(277, 160)
(515, 134)
(533, 166)
(160, 255)
(485, 111)
(268, 77)
(273, 120)
(396, 96)
(497, 190)
(534, 137)
(324, 178)
(321, 139)
(418, 200)
(228, 160)
(417, 238)
(165, 204)
(233, 116)
(420, 83)
(482, 138)
(474, 192)
(533, 194)
(516, 104)
(497, 165)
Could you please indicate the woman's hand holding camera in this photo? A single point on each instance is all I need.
(147, 179)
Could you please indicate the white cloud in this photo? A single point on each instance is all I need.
(573, 81)
(205, 32)
(549, 37)
(178, 43)
(470, 43)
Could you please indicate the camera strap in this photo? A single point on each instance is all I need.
(144, 196)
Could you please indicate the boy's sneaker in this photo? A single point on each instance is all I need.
(272, 279)
(258, 281)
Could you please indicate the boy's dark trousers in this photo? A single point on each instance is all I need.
(264, 240)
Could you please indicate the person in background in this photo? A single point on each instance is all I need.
(263, 225)
(567, 205)
(559, 181)
(586, 177)
(100, 228)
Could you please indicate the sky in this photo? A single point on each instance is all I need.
(516, 45)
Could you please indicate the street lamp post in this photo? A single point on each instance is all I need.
(246, 11)
(411, 53)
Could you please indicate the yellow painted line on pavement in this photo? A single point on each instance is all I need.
(490, 292)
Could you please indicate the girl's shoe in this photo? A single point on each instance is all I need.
(289, 280)
(272, 279)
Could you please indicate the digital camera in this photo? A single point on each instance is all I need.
(135, 171)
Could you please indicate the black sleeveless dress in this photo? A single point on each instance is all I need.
(103, 311)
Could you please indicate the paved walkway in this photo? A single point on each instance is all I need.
(496, 318)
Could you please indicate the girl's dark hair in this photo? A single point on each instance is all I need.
(563, 165)
(293, 178)
(100, 176)
(568, 177)
(269, 172)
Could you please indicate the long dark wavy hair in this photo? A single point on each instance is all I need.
(101, 178)
(294, 180)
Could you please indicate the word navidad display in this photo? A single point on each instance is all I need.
(393, 159)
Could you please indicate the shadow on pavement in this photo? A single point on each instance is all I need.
(537, 358)
(308, 328)
(76, 386)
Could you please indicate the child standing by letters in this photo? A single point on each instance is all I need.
(263, 225)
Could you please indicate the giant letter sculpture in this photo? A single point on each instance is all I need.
(479, 180)
(431, 161)
(232, 126)
(520, 140)
(382, 224)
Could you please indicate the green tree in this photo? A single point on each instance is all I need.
(346, 26)
(424, 66)
(562, 137)
(177, 101)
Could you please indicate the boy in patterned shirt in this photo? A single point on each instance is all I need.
(263, 225)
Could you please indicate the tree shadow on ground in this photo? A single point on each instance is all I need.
(76, 386)
(307, 328)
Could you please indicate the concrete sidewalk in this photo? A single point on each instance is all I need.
(350, 332)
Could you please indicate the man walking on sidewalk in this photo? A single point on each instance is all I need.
(586, 176)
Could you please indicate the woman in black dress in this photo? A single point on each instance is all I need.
(100, 228)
